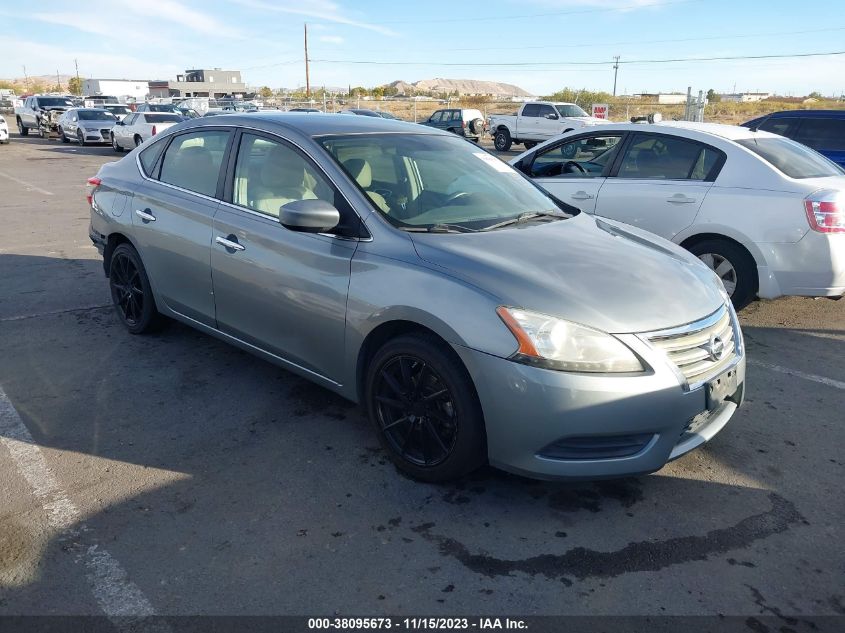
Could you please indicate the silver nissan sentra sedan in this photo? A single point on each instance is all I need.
(476, 318)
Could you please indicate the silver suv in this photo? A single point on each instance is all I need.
(476, 318)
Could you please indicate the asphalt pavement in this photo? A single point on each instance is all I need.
(174, 474)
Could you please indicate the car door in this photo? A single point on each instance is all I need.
(547, 122)
(281, 290)
(122, 133)
(70, 123)
(659, 182)
(434, 119)
(172, 217)
(574, 169)
(527, 122)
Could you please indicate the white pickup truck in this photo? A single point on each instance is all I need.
(537, 121)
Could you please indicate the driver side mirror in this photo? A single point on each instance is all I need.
(552, 116)
(309, 216)
(119, 122)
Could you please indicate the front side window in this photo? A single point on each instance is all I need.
(419, 181)
(269, 175)
(585, 157)
(130, 119)
(192, 161)
(546, 110)
(435, 118)
(825, 134)
(791, 158)
(653, 157)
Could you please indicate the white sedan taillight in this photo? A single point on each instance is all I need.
(826, 211)
(92, 183)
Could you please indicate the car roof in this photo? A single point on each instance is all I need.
(806, 113)
(322, 125)
(722, 130)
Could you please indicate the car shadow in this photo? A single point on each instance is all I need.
(55, 145)
(225, 485)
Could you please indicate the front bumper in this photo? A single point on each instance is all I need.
(528, 409)
(97, 136)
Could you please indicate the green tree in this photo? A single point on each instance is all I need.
(7, 85)
(359, 91)
(816, 95)
(713, 96)
(377, 92)
(265, 92)
(74, 85)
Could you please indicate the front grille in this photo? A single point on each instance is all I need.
(597, 447)
(702, 349)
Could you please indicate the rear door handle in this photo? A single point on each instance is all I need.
(145, 215)
(582, 195)
(680, 198)
(230, 244)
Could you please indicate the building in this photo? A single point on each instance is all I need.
(663, 98)
(744, 97)
(212, 83)
(123, 89)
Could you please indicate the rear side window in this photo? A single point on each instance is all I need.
(149, 157)
(668, 158)
(791, 158)
(192, 161)
(824, 134)
(532, 109)
(780, 125)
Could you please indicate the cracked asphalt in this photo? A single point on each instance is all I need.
(225, 485)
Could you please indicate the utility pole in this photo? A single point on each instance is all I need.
(25, 79)
(58, 81)
(615, 73)
(78, 85)
(307, 77)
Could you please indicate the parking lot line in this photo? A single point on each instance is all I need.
(118, 597)
(26, 184)
(830, 382)
(22, 317)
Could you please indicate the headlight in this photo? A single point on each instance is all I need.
(553, 343)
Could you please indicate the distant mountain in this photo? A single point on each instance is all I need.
(20, 83)
(461, 86)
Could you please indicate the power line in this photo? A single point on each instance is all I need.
(563, 65)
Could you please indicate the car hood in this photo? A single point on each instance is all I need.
(588, 270)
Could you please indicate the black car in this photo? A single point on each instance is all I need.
(822, 130)
(463, 122)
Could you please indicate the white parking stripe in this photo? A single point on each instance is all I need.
(117, 596)
(830, 382)
(26, 184)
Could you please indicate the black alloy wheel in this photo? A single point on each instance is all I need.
(424, 407)
(131, 292)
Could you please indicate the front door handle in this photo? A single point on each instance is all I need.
(582, 195)
(230, 244)
(145, 215)
(680, 198)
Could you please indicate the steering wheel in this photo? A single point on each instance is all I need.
(571, 163)
(454, 197)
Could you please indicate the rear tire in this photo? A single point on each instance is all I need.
(502, 141)
(424, 407)
(132, 295)
(138, 140)
(733, 265)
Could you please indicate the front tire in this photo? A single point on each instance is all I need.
(80, 138)
(63, 136)
(733, 265)
(115, 146)
(502, 141)
(530, 144)
(424, 408)
(131, 293)
(22, 129)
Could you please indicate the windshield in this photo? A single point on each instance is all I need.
(163, 118)
(46, 102)
(95, 115)
(420, 181)
(161, 108)
(791, 158)
(118, 109)
(570, 110)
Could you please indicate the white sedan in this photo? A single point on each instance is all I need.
(764, 212)
(140, 126)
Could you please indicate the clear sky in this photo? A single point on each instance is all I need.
(540, 45)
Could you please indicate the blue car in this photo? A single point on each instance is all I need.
(822, 130)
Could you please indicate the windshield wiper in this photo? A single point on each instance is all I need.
(439, 228)
(524, 217)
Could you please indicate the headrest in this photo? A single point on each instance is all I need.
(360, 170)
(282, 169)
